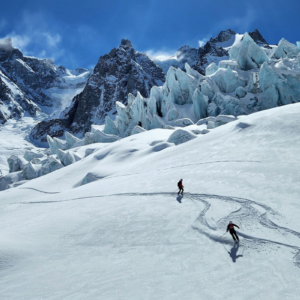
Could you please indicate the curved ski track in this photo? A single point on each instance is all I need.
(247, 215)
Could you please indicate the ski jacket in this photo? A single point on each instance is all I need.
(179, 184)
(231, 227)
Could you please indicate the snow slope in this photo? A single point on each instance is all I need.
(129, 236)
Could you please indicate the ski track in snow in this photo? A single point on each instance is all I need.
(246, 215)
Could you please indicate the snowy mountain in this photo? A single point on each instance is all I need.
(215, 50)
(31, 85)
(116, 74)
(254, 78)
(125, 71)
(129, 235)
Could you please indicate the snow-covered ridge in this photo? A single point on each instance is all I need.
(35, 85)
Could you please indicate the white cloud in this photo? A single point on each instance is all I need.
(34, 37)
(52, 40)
(19, 41)
(160, 54)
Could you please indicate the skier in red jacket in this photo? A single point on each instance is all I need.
(180, 186)
(230, 227)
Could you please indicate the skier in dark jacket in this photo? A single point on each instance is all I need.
(180, 186)
(230, 227)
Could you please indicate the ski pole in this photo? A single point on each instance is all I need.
(222, 235)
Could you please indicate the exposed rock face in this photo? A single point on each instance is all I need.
(223, 36)
(257, 37)
(116, 74)
(25, 82)
(210, 53)
(13, 102)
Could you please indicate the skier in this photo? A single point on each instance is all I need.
(230, 227)
(180, 186)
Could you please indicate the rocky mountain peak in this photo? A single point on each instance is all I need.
(223, 36)
(257, 37)
(126, 44)
(7, 51)
(121, 72)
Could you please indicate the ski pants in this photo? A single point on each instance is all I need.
(180, 190)
(233, 234)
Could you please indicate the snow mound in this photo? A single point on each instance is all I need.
(181, 136)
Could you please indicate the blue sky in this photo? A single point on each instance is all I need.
(76, 33)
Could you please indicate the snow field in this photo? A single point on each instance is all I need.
(130, 236)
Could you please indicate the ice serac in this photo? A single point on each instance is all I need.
(116, 74)
(211, 69)
(137, 129)
(224, 105)
(110, 126)
(16, 163)
(287, 84)
(193, 73)
(31, 171)
(232, 64)
(182, 86)
(228, 80)
(248, 54)
(200, 103)
(270, 97)
(172, 113)
(207, 90)
(71, 140)
(30, 155)
(99, 137)
(240, 92)
(286, 49)
(267, 76)
(69, 158)
(50, 166)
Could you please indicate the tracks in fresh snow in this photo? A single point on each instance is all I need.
(251, 216)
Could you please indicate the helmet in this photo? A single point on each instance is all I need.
(230, 222)
(181, 179)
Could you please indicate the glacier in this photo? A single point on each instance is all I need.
(188, 104)
(253, 79)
